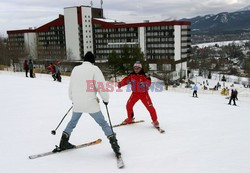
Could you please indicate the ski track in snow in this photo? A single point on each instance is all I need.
(203, 135)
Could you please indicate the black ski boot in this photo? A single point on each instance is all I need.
(114, 145)
(64, 143)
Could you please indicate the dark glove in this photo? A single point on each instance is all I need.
(119, 85)
(106, 103)
(147, 77)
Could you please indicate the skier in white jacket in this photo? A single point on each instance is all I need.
(84, 100)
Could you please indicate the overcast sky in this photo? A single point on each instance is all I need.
(22, 14)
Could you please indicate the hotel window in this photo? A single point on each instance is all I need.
(166, 67)
(171, 51)
(184, 27)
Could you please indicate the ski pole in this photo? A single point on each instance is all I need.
(53, 132)
(109, 119)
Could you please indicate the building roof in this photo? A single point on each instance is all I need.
(108, 20)
(21, 31)
(105, 23)
(57, 22)
(113, 24)
(44, 28)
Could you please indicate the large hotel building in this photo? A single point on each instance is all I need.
(165, 44)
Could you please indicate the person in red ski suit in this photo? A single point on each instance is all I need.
(140, 84)
(51, 67)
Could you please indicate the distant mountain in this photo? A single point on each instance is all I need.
(247, 8)
(222, 23)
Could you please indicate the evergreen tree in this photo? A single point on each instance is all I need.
(209, 75)
(114, 63)
(223, 78)
(126, 59)
(123, 63)
(137, 55)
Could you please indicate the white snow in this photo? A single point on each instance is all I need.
(107, 20)
(203, 135)
(247, 8)
(221, 43)
(224, 18)
(216, 17)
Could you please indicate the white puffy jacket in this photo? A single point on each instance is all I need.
(84, 100)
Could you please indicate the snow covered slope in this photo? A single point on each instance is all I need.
(221, 43)
(203, 135)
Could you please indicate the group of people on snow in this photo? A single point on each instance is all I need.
(225, 91)
(29, 68)
(87, 102)
(55, 71)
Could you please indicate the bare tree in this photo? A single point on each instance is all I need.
(166, 79)
(69, 54)
(4, 53)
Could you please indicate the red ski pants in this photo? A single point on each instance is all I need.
(144, 97)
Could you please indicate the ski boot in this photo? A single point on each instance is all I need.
(64, 143)
(114, 145)
(128, 121)
(155, 123)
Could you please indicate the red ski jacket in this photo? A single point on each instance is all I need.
(140, 83)
(51, 68)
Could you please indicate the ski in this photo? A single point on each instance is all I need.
(160, 130)
(57, 149)
(122, 124)
(120, 163)
(232, 105)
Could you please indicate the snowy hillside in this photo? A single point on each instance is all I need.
(203, 135)
(247, 8)
(222, 43)
(222, 22)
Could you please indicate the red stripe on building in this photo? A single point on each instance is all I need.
(21, 31)
(57, 22)
(79, 15)
(129, 25)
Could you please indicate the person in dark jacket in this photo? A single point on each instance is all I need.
(26, 67)
(58, 72)
(31, 68)
(236, 94)
(233, 97)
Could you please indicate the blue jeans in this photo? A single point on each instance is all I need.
(97, 116)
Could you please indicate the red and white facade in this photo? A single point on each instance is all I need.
(165, 44)
(79, 30)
